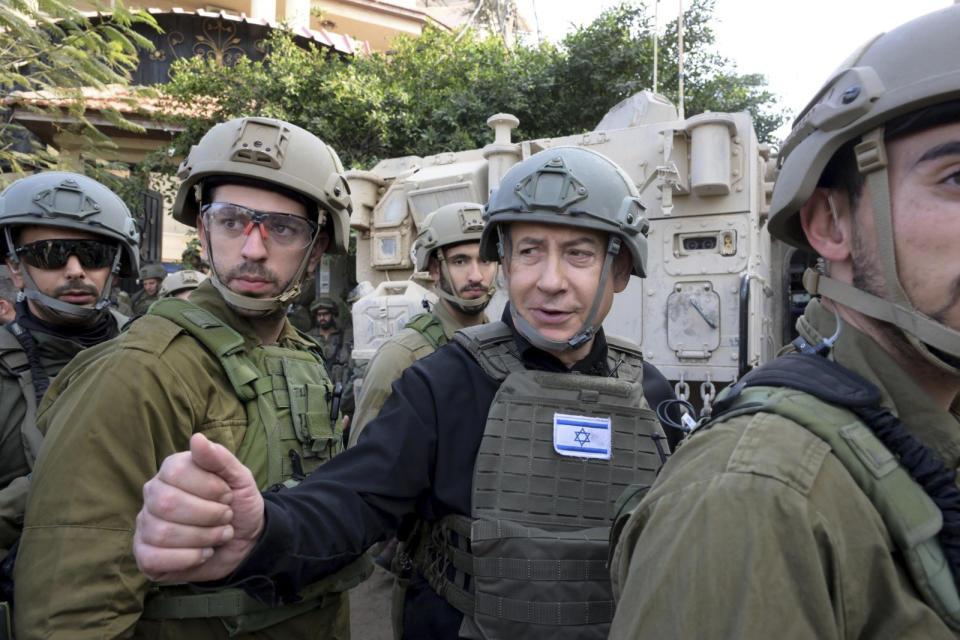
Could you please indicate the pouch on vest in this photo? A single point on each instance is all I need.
(530, 562)
(289, 434)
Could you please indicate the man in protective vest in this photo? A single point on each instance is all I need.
(509, 445)
(336, 345)
(822, 500)
(151, 278)
(267, 198)
(66, 238)
(448, 248)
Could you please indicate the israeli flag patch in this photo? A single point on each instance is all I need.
(581, 436)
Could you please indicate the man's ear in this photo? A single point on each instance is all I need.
(319, 247)
(622, 266)
(15, 274)
(826, 220)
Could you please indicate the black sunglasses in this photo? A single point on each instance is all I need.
(53, 254)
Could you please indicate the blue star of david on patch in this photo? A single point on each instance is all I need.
(582, 437)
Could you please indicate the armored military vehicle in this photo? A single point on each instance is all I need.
(718, 296)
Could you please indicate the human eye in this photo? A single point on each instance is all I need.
(230, 217)
(580, 256)
(286, 226)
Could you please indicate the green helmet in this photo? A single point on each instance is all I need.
(275, 152)
(179, 281)
(575, 187)
(69, 201)
(450, 225)
(570, 186)
(324, 302)
(910, 68)
(154, 270)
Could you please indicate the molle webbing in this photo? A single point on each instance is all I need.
(530, 562)
(288, 435)
(427, 325)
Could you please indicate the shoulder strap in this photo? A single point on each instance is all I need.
(625, 357)
(491, 345)
(821, 396)
(15, 361)
(219, 339)
(427, 325)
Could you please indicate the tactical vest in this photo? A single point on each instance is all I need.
(822, 396)
(427, 325)
(530, 562)
(286, 394)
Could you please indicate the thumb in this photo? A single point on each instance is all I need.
(217, 459)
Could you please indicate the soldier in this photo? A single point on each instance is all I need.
(151, 277)
(268, 199)
(181, 283)
(66, 238)
(822, 499)
(508, 445)
(448, 247)
(336, 345)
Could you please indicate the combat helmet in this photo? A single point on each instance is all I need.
(69, 201)
(897, 73)
(180, 281)
(449, 225)
(154, 270)
(574, 187)
(324, 302)
(270, 151)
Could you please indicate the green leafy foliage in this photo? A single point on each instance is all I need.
(50, 48)
(435, 93)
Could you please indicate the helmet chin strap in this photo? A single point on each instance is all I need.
(66, 312)
(470, 307)
(586, 332)
(259, 307)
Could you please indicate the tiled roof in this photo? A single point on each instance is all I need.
(118, 97)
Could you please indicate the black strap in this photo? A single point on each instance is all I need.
(41, 381)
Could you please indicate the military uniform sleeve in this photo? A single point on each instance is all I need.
(110, 419)
(384, 369)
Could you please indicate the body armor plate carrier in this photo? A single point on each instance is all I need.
(530, 562)
(290, 433)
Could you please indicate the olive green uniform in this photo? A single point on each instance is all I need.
(53, 352)
(755, 529)
(140, 301)
(336, 349)
(110, 418)
(393, 356)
